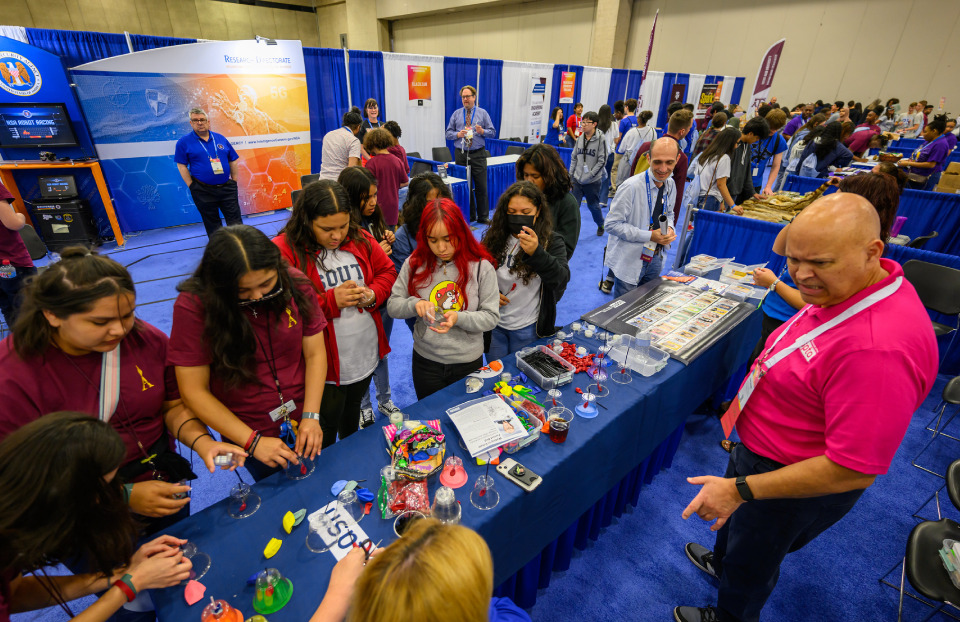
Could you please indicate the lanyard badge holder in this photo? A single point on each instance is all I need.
(215, 164)
(650, 249)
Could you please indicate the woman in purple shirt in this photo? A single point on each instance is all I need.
(928, 161)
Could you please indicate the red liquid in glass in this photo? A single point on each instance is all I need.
(558, 429)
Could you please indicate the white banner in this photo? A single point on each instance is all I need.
(517, 94)
(650, 93)
(538, 103)
(595, 88)
(423, 125)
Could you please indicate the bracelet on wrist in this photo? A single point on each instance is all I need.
(125, 584)
(194, 443)
(310, 415)
(249, 443)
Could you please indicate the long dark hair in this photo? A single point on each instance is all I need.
(422, 260)
(356, 180)
(56, 505)
(497, 237)
(231, 253)
(882, 192)
(825, 138)
(553, 115)
(547, 162)
(723, 144)
(606, 118)
(420, 186)
(812, 122)
(72, 285)
(320, 198)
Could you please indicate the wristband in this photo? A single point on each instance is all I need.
(249, 442)
(744, 489)
(773, 286)
(127, 491)
(310, 415)
(125, 584)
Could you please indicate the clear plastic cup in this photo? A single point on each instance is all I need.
(446, 509)
(484, 495)
(349, 506)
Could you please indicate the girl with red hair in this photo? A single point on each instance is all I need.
(451, 275)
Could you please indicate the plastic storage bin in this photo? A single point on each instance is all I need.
(645, 359)
(549, 382)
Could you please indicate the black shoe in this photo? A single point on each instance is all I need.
(695, 614)
(483, 221)
(606, 287)
(702, 558)
(600, 230)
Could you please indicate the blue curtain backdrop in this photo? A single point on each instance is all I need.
(555, 89)
(661, 111)
(737, 90)
(618, 86)
(457, 73)
(366, 80)
(78, 47)
(327, 92)
(149, 42)
(634, 82)
(491, 90)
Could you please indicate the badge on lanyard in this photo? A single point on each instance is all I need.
(283, 411)
(756, 171)
(216, 166)
(649, 250)
(729, 419)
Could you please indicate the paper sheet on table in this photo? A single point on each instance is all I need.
(486, 423)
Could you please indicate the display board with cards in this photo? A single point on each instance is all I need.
(683, 321)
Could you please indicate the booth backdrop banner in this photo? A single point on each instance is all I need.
(595, 87)
(650, 92)
(567, 87)
(765, 74)
(418, 81)
(137, 107)
(646, 64)
(423, 120)
(707, 96)
(518, 79)
(43, 80)
(538, 99)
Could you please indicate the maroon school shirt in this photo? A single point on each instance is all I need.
(251, 402)
(57, 381)
(11, 245)
(389, 173)
(401, 154)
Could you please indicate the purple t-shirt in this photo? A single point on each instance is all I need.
(793, 125)
(951, 140)
(934, 151)
(389, 173)
(11, 245)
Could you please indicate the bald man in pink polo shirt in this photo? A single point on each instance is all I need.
(823, 410)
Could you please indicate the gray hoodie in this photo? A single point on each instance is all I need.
(464, 342)
(594, 155)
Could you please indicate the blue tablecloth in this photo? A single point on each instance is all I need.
(461, 193)
(586, 481)
(751, 242)
(925, 212)
(497, 146)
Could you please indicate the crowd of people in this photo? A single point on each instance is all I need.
(258, 331)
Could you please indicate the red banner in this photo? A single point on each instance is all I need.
(646, 63)
(568, 81)
(768, 68)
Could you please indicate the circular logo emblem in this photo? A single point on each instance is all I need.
(18, 75)
(68, 218)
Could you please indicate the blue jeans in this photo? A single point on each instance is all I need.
(503, 341)
(712, 204)
(592, 194)
(381, 374)
(605, 184)
(649, 271)
(758, 536)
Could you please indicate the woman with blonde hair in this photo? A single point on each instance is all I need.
(434, 573)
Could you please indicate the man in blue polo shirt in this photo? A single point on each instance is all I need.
(209, 165)
(469, 127)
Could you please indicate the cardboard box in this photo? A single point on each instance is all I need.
(949, 182)
(953, 167)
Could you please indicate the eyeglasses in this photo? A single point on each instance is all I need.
(198, 120)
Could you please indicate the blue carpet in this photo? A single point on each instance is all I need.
(637, 569)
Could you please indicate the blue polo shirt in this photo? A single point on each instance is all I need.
(196, 154)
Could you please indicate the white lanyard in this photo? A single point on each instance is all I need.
(109, 383)
(766, 364)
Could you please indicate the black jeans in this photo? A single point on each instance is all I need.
(10, 294)
(431, 376)
(754, 541)
(340, 410)
(479, 210)
(212, 200)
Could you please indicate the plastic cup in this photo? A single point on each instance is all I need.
(453, 474)
(349, 505)
(404, 520)
(200, 560)
(484, 495)
(300, 471)
(445, 506)
(320, 534)
(588, 333)
(576, 326)
(559, 420)
(243, 502)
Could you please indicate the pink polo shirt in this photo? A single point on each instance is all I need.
(850, 393)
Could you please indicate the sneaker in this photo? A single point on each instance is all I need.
(388, 408)
(606, 287)
(702, 558)
(600, 230)
(367, 418)
(695, 614)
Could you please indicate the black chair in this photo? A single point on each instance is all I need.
(950, 396)
(293, 197)
(442, 154)
(953, 491)
(515, 139)
(514, 149)
(413, 154)
(420, 167)
(939, 290)
(309, 179)
(919, 242)
(35, 246)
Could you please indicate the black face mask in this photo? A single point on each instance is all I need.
(516, 222)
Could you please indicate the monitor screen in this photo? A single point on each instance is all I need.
(35, 125)
(63, 186)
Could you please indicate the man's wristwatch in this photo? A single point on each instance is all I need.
(744, 489)
(773, 286)
(310, 415)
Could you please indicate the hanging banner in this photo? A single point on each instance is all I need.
(538, 102)
(708, 95)
(646, 62)
(567, 82)
(418, 83)
(768, 68)
(678, 93)
(137, 107)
